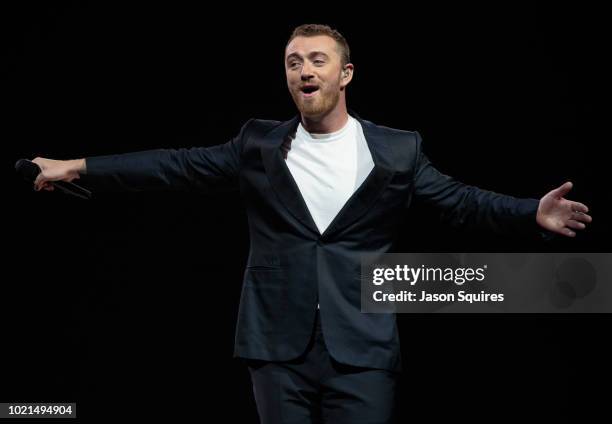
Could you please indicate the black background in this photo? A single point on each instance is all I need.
(133, 297)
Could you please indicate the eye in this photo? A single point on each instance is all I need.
(319, 62)
(293, 65)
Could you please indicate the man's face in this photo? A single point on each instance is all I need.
(314, 74)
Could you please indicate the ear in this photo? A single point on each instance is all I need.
(347, 74)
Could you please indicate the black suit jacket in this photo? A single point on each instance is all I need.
(291, 266)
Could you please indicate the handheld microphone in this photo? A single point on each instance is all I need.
(29, 170)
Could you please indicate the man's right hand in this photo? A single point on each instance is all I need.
(57, 170)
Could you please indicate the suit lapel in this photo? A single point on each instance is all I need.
(361, 201)
(372, 187)
(280, 177)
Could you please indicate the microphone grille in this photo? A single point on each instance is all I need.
(28, 169)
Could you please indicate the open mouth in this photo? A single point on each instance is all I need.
(309, 90)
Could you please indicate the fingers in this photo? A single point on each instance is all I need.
(43, 185)
(39, 179)
(40, 182)
(567, 232)
(563, 189)
(579, 207)
(582, 217)
(576, 225)
(579, 212)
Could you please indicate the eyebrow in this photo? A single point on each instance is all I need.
(311, 54)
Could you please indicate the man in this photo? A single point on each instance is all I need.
(320, 190)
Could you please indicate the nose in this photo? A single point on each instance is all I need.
(306, 72)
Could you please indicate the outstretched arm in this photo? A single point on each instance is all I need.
(467, 206)
(464, 205)
(203, 169)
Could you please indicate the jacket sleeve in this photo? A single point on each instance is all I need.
(467, 206)
(203, 169)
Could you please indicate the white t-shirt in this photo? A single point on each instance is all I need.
(329, 168)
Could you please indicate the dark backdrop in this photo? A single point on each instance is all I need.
(133, 297)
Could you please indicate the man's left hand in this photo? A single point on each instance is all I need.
(559, 215)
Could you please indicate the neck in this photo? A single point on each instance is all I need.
(332, 121)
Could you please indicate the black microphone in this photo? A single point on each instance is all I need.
(29, 170)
